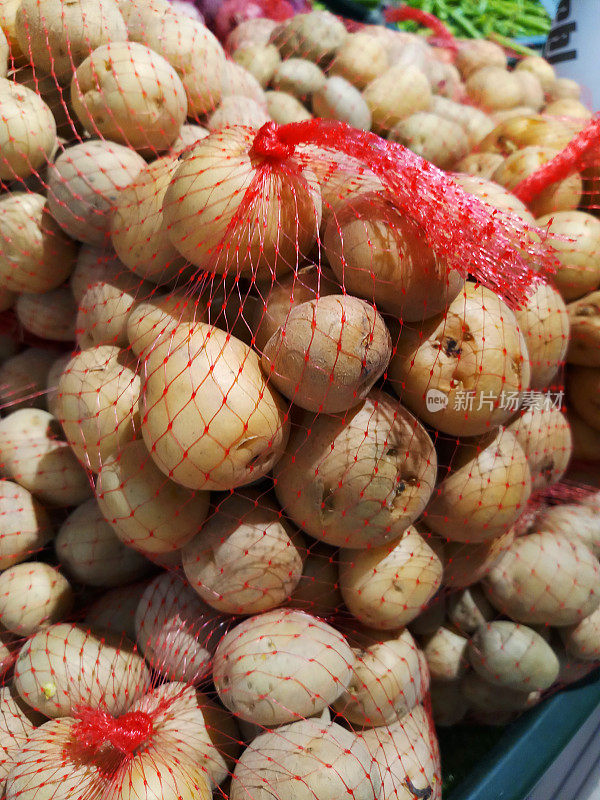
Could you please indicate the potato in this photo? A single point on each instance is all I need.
(27, 132)
(484, 492)
(576, 240)
(572, 669)
(33, 596)
(246, 558)
(91, 553)
(149, 320)
(256, 31)
(517, 585)
(309, 664)
(463, 372)
(284, 108)
(583, 389)
(466, 564)
(114, 610)
(574, 521)
(200, 217)
(474, 122)
(544, 322)
(474, 54)
(562, 88)
(386, 587)
(138, 14)
(298, 77)
(469, 609)
(58, 35)
(317, 591)
(432, 137)
(35, 255)
(586, 440)
(94, 264)
(24, 525)
(511, 113)
(360, 59)
(494, 88)
(560, 196)
(545, 436)
(146, 510)
(448, 706)
(338, 99)
(17, 722)
(316, 36)
(397, 93)
(237, 110)
(495, 196)
(188, 135)
(126, 92)
(539, 67)
(97, 403)
(66, 666)
(50, 315)
(526, 130)
(584, 341)
(568, 107)
(328, 354)
(582, 641)
(357, 481)
(23, 378)
(532, 93)
(446, 655)
(235, 80)
(35, 455)
(261, 60)
(306, 759)
(54, 95)
(492, 700)
(209, 444)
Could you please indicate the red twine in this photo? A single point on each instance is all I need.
(125, 733)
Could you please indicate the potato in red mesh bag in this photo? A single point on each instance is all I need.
(25, 526)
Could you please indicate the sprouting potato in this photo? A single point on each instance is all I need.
(576, 240)
(395, 94)
(237, 110)
(480, 165)
(316, 36)
(544, 578)
(360, 59)
(32, 596)
(469, 609)
(474, 54)
(261, 60)
(545, 436)
(466, 564)
(50, 315)
(27, 131)
(24, 525)
(23, 378)
(582, 641)
(338, 99)
(386, 587)
(583, 390)
(281, 666)
(584, 341)
(284, 108)
(494, 88)
(432, 137)
(299, 77)
(65, 666)
(575, 521)
(388, 465)
(246, 558)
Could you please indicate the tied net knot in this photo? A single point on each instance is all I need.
(269, 144)
(125, 733)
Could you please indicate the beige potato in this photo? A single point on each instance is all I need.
(97, 403)
(175, 630)
(379, 253)
(574, 521)
(539, 67)
(446, 654)
(17, 723)
(316, 36)
(23, 378)
(360, 59)
(359, 481)
(338, 99)
(518, 584)
(544, 322)
(492, 700)
(582, 641)
(397, 93)
(562, 88)
(583, 390)
(246, 557)
(494, 88)
(199, 216)
(494, 195)
(561, 196)
(91, 553)
(474, 54)
(261, 60)
(188, 135)
(386, 587)
(577, 246)
(433, 138)
(138, 14)
(35, 255)
(237, 110)
(65, 666)
(114, 610)
(50, 315)
(545, 436)
(568, 107)
(299, 77)
(284, 108)
(33, 596)
(466, 564)
(83, 186)
(54, 95)
(210, 444)
(469, 609)
(148, 321)
(235, 80)
(328, 354)
(586, 440)
(463, 373)
(527, 130)
(27, 131)
(57, 35)
(532, 93)
(255, 31)
(485, 491)
(36, 456)
(584, 341)
(147, 511)
(94, 264)
(24, 525)
(476, 123)
(309, 664)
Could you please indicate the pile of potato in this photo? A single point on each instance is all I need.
(270, 467)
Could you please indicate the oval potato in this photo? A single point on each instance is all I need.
(33, 596)
(24, 525)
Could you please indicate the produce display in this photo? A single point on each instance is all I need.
(299, 376)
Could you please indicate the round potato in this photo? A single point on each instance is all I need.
(66, 666)
(494, 88)
(57, 36)
(114, 610)
(235, 80)
(484, 492)
(582, 641)
(299, 77)
(474, 54)
(584, 341)
(476, 123)
(316, 36)
(149, 320)
(545, 436)
(23, 378)
(561, 88)
(237, 110)
(532, 93)
(338, 99)
(568, 107)
(433, 138)
(91, 553)
(517, 585)
(387, 587)
(50, 315)
(446, 655)
(94, 264)
(27, 131)
(379, 253)
(210, 444)
(480, 165)
(359, 481)
(24, 525)
(576, 240)
(97, 403)
(466, 564)
(583, 389)
(199, 211)
(83, 186)
(284, 108)
(360, 59)
(35, 255)
(395, 94)
(36, 456)
(146, 510)
(541, 68)
(176, 630)
(261, 60)
(281, 666)
(463, 373)
(246, 558)
(469, 609)
(33, 596)
(574, 521)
